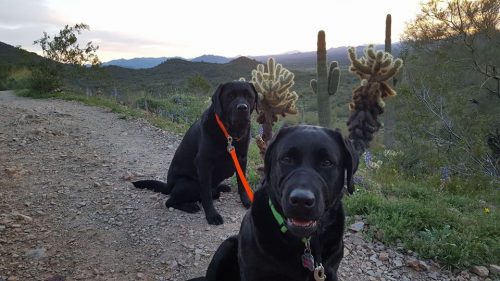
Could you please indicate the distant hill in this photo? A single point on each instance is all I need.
(139, 63)
(174, 73)
(136, 63)
(307, 60)
(132, 76)
(294, 60)
(17, 56)
(211, 59)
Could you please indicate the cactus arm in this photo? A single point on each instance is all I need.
(314, 85)
(333, 78)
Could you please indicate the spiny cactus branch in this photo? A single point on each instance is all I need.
(374, 69)
(275, 96)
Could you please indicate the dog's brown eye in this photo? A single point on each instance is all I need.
(286, 160)
(326, 163)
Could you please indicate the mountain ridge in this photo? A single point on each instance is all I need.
(292, 59)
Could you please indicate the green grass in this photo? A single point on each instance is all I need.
(113, 106)
(456, 227)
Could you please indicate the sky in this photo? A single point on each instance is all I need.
(190, 28)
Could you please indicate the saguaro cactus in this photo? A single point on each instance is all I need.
(389, 122)
(388, 21)
(374, 69)
(326, 84)
(275, 97)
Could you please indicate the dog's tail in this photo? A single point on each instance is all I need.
(156, 186)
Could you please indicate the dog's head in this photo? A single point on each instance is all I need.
(306, 168)
(234, 102)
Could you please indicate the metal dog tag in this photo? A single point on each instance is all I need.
(308, 260)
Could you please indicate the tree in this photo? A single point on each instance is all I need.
(198, 84)
(466, 21)
(64, 48)
(61, 50)
(448, 107)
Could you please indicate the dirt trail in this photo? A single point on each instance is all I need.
(69, 212)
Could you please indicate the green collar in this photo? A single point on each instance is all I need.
(278, 217)
(281, 221)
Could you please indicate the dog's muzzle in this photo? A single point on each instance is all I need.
(302, 201)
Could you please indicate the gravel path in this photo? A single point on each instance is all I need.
(69, 212)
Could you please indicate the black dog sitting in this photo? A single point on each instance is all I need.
(202, 161)
(294, 229)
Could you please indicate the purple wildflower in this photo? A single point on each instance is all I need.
(368, 158)
(445, 174)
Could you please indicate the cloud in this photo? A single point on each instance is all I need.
(112, 44)
(27, 12)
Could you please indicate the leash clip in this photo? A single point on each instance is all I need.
(230, 146)
(319, 273)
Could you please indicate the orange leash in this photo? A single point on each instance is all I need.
(232, 151)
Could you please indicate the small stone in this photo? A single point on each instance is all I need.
(36, 254)
(346, 252)
(173, 264)
(357, 226)
(2, 227)
(383, 256)
(140, 275)
(24, 217)
(416, 264)
(433, 275)
(379, 234)
(480, 270)
(424, 266)
(55, 278)
(495, 269)
(128, 176)
(138, 174)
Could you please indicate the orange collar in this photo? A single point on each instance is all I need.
(223, 128)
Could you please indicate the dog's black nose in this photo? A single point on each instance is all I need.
(302, 198)
(242, 107)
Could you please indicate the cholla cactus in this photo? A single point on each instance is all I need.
(275, 96)
(374, 69)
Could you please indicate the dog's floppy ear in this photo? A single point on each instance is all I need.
(352, 163)
(351, 158)
(256, 95)
(217, 100)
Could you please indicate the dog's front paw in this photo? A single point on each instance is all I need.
(244, 200)
(223, 188)
(215, 219)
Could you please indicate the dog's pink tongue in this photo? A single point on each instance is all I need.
(301, 222)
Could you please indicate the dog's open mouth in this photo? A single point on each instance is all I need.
(301, 223)
(302, 227)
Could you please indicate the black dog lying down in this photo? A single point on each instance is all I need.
(202, 161)
(294, 228)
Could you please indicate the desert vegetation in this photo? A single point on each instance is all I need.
(429, 183)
